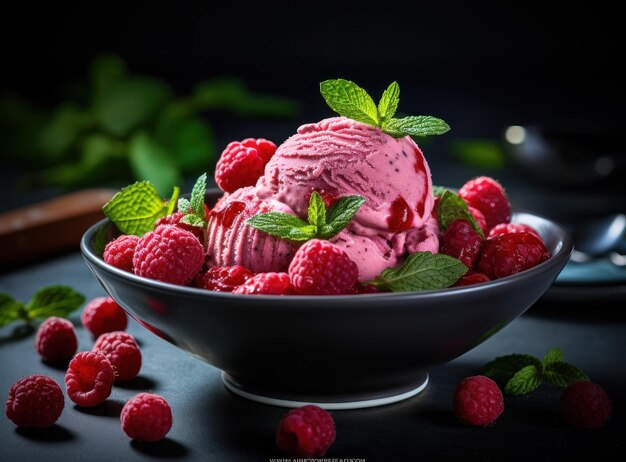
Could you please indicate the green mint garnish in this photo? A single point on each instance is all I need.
(136, 208)
(349, 100)
(48, 301)
(438, 191)
(323, 223)
(521, 374)
(421, 271)
(195, 213)
(452, 207)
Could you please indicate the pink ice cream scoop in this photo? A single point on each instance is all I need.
(339, 157)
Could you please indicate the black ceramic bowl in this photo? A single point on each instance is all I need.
(337, 351)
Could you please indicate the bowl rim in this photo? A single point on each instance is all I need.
(559, 258)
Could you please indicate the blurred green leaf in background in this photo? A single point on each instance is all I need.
(126, 127)
(480, 153)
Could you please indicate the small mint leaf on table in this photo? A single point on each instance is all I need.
(554, 355)
(388, 104)
(562, 374)
(452, 207)
(317, 211)
(503, 368)
(421, 271)
(415, 126)
(54, 300)
(10, 310)
(136, 208)
(349, 100)
(524, 381)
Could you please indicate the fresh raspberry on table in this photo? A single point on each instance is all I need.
(306, 432)
(488, 196)
(103, 314)
(322, 268)
(478, 401)
(471, 279)
(585, 404)
(511, 253)
(266, 284)
(174, 220)
(146, 417)
(89, 378)
(119, 252)
(123, 353)
(462, 242)
(169, 254)
(56, 339)
(242, 163)
(510, 228)
(223, 278)
(35, 401)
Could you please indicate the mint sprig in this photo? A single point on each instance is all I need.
(522, 374)
(322, 223)
(195, 213)
(55, 300)
(136, 208)
(452, 207)
(349, 100)
(421, 271)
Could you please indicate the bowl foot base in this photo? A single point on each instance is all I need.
(327, 402)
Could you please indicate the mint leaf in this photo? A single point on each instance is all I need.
(438, 191)
(136, 208)
(484, 154)
(340, 214)
(452, 207)
(10, 309)
(349, 100)
(503, 368)
(388, 104)
(54, 301)
(151, 161)
(524, 381)
(197, 197)
(562, 374)
(282, 225)
(554, 355)
(193, 220)
(184, 205)
(316, 211)
(421, 271)
(415, 126)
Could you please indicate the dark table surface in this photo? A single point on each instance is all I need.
(211, 423)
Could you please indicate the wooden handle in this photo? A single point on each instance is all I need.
(50, 227)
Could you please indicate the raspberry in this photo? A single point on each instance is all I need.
(56, 339)
(480, 218)
(471, 279)
(169, 254)
(35, 401)
(509, 228)
(103, 314)
(511, 253)
(585, 404)
(123, 353)
(478, 401)
(306, 432)
(119, 252)
(266, 284)
(321, 268)
(488, 196)
(242, 163)
(89, 378)
(223, 278)
(360, 288)
(174, 220)
(462, 242)
(146, 417)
